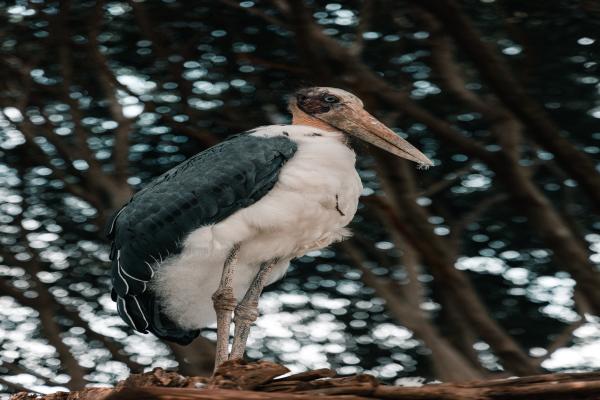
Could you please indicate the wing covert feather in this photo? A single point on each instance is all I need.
(203, 190)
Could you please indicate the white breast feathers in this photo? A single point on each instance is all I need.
(315, 197)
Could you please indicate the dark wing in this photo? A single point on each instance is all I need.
(203, 190)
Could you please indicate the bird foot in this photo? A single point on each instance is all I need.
(223, 300)
(224, 303)
(246, 313)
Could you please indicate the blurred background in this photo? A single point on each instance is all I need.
(484, 266)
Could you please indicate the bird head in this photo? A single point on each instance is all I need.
(327, 107)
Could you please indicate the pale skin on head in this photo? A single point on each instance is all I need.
(299, 117)
(335, 109)
(330, 110)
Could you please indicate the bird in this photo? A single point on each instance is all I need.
(199, 243)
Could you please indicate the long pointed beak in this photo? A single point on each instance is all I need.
(361, 124)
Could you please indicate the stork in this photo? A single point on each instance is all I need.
(200, 242)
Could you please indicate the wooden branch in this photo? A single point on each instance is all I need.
(114, 347)
(95, 179)
(449, 72)
(447, 362)
(312, 41)
(37, 155)
(15, 386)
(457, 229)
(46, 306)
(240, 380)
(59, 29)
(562, 340)
(508, 131)
(255, 12)
(29, 132)
(458, 288)
(314, 45)
(195, 359)
(407, 217)
(556, 233)
(106, 78)
(415, 290)
(152, 31)
(447, 181)
(293, 69)
(202, 136)
(213, 394)
(497, 73)
(365, 15)
(16, 368)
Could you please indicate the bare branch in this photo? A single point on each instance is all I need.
(457, 288)
(16, 387)
(196, 359)
(365, 14)
(16, 368)
(106, 79)
(255, 12)
(497, 73)
(474, 214)
(561, 340)
(448, 363)
(446, 181)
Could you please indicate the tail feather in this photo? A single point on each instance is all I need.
(142, 313)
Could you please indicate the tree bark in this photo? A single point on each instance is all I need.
(409, 217)
(448, 363)
(497, 73)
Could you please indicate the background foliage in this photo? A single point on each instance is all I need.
(485, 265)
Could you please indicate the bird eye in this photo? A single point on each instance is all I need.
(331, 99)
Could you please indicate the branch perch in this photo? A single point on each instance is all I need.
(262, 380)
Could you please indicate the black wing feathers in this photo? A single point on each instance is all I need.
(203, 190)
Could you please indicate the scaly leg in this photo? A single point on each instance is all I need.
(246, 311)
(224, 303)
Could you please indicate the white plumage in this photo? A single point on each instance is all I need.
(276, 198)
(314, 199)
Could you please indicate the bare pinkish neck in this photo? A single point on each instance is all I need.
(301, 118)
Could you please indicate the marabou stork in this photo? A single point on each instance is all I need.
(225, 223)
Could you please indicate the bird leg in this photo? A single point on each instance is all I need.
(224, 303)
(246, 311)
